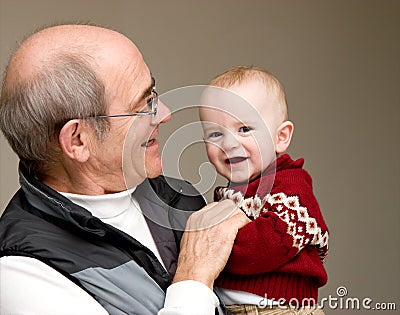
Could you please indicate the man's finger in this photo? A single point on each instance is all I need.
(239, 218)
(211, 215)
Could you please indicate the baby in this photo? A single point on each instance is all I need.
(277, 258)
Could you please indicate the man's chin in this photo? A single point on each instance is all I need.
(154, 169)
(153, 175)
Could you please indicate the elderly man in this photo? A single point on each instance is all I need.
(75, 239)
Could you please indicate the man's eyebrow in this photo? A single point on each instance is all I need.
(149, 90)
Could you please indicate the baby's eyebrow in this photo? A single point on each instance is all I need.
(210, 125)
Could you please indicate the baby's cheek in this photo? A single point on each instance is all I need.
(212, 151)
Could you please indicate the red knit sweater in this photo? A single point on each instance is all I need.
(280, 253)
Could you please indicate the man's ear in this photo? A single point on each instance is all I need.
(74, 140)
(284, 136)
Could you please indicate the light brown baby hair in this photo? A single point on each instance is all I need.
(239, 74)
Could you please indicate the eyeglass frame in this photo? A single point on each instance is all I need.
(153, 104)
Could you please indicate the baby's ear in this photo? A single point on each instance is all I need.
(284, 136)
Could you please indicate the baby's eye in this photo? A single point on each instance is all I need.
(215, 134)
(244, 129)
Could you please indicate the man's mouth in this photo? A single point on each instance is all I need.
(148, 143)
(235, 160)
(152, 139)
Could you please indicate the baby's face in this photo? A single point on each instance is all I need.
(240, 131)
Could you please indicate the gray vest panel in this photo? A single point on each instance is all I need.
(123, 289)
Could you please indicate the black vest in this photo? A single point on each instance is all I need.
(120, 273)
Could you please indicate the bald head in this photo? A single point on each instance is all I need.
(92, 43)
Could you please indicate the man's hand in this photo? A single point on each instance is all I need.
(207, 242)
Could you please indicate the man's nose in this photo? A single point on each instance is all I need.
(163, 113)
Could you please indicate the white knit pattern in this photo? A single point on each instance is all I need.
(302, 227)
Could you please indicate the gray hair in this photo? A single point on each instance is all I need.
(33, 111)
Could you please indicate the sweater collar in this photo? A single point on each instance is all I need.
(262, 185)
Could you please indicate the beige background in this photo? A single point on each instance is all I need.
(339, 63)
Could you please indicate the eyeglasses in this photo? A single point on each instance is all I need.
(151, 109)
